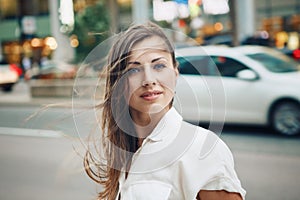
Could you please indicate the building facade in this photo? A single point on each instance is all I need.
(33, 28)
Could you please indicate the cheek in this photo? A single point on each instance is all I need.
(168, 80)
(131, 86)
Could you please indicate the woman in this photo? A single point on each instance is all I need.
(150, 153)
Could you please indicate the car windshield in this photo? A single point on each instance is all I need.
(275, 64)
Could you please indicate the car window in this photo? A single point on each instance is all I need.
(196, 65)
(227, 66)
(275, 64)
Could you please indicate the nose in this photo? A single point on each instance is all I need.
(149, 78)
(148, 83)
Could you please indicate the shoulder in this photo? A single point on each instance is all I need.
(207, 144)
(207, 152)
(208, 164)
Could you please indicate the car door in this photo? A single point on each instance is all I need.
(208, 90)
(199, 93)
(244, 98)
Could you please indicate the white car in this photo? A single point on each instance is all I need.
(241, 85)
(9, 75)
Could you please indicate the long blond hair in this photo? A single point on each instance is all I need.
(121, 145)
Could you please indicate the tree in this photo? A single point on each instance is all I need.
(91, 28)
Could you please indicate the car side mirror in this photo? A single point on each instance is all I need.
(247, 74)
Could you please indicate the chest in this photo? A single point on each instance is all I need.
(166, 170)
(161, 184)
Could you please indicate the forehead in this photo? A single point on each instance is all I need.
(153, 44)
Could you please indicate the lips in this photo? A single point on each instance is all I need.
(151, 95)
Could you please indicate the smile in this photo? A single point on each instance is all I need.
(152, 95)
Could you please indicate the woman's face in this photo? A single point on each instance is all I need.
(151, 76)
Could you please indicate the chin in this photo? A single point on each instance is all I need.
(156, 108)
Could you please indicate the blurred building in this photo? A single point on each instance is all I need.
(35, 29)
(29, 30)
(252, 20)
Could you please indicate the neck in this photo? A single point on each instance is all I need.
(145, 122)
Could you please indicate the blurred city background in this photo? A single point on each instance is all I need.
(33, 31)
(43, 44)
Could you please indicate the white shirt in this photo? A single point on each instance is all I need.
(176, 161)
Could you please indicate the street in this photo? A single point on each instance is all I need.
(42, 168)
(41, 156)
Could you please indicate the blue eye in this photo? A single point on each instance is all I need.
(133, 71)
(159, 66)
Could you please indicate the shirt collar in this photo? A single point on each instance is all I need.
(169, 124)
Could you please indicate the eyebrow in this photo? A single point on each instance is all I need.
(152, 61)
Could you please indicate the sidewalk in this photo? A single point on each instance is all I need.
(21, 96)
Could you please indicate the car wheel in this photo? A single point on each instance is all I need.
(285, 118)
(7, 88)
